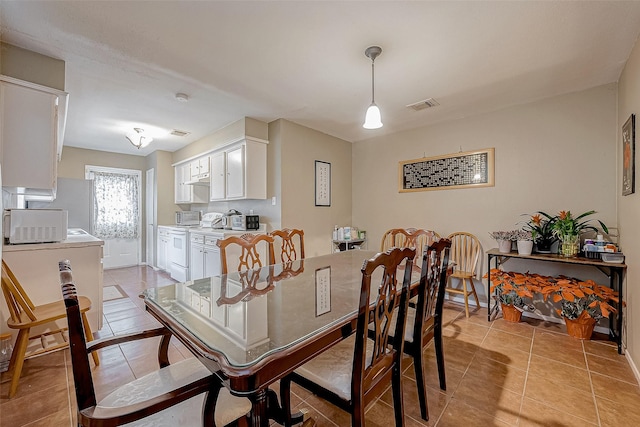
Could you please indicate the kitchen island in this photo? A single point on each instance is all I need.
(36, 268)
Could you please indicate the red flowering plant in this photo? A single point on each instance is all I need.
(576, 296)
(511, 288)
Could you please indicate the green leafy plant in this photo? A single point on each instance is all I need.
(568, 225)
(541, 227)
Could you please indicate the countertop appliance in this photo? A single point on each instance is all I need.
(226, 219)
(245, 222)
(212, 220)
(35, 225)
(187, 218)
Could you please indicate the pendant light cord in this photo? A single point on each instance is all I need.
(373, 90)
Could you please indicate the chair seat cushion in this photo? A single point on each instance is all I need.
(332, 369)
(189, 412)
(408, 330)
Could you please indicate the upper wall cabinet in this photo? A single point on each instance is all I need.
(239, 171)
(32, 121)
(185, 191)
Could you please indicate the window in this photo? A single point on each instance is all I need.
(116, 202)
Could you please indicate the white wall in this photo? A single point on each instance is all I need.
(551, 155)
(629, 206)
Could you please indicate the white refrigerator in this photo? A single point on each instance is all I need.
(75, 196)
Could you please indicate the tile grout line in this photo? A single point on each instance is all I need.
(526, 375)
(593, 392)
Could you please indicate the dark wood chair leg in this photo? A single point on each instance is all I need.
(418, 365)
(209, 407)
(437, 337)
(396, 385)
(163, 352)
(285, 399)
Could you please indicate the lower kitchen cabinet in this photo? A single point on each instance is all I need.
(204, 256)
(163, 247)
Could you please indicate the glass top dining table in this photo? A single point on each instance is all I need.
(252, 328)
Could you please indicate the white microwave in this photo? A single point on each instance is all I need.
(187, 218)
(35, 225)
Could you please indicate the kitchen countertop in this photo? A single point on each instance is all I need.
(216, 231)
(76, 237)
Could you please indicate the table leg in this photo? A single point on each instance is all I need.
(265, 406)
(258, 417)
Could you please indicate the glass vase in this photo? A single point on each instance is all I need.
(569, 245)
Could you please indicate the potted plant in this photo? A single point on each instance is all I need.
(541, 227)
(524, 240)
(582, 303)
(504, 239)
(568, 228)
(510, 289)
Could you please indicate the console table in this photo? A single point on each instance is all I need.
(614, 272)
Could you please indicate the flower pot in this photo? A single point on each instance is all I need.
(511, 313)
(582, 327)
(569, 245)
(543, 246)
(525, 247)
(504, 246)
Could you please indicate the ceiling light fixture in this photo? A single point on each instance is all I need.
(139, 139)
(372, 119)
(182, 97)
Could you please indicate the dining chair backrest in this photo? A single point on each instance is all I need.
(250, 248)
(17, 299)
(285, 241)
(392, 294)
(465, 252)
(431, 290)
(408, 238)
(85, 392)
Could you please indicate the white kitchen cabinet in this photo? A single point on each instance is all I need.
(31, 127)
(239, 172)
(185, 192)
(204, 256)
(200, 168)
(218, 176)
(163, 247)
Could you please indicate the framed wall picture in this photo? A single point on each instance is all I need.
(450, 171)
(629, 156)
(323, 291)
(323, 183)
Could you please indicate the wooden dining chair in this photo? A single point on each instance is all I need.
(169, 396)
(417, 238)
(465, 253)
(25, 315)
(424, 322)
(357, 369)
(249, 244)
(285, 240)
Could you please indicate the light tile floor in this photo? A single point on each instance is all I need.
(498, 374)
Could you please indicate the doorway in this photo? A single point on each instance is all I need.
(117, 215)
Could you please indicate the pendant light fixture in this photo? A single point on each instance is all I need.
(372, 119)
(139, 139)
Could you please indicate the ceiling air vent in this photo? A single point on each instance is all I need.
(176, 132)
(421, 105)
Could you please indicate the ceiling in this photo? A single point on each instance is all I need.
(304, 61)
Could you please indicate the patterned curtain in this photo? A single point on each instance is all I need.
(116, 205)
